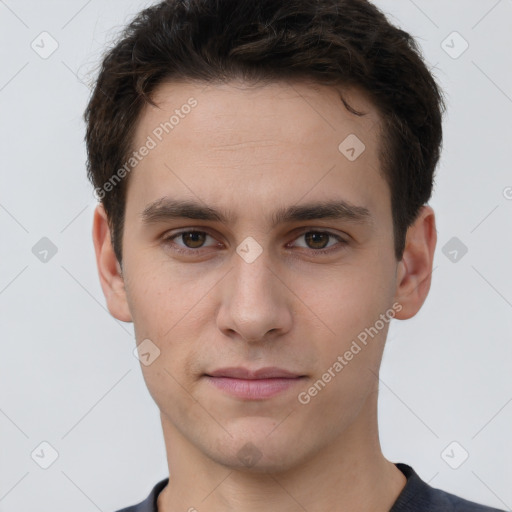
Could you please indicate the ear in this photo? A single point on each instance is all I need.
(414, 271)
(109, 270)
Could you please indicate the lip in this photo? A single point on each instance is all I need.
(253, 384)
(269, 372)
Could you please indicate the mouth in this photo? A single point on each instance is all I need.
(253, 384)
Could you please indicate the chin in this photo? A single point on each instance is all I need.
(258, 448)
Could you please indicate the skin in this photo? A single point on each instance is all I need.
(249, 151)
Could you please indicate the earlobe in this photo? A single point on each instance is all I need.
(415, 269)
(109, 270)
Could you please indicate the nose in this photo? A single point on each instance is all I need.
(255, 304)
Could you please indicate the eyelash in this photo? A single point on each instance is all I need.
(170, 240)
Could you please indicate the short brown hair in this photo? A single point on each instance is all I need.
(332, 42)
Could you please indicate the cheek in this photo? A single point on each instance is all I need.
(349, 336)
(147, 297)
(174, 315)
(346, 300)
(344, 317)
(160, 296)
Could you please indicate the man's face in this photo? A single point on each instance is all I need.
(297, 292)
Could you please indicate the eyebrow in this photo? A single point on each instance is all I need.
(166, 208)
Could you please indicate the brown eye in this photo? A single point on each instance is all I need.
(320, 242)
(317, 240)
(190, 241)
(193, 239)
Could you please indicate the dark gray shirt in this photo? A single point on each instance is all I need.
(416, 496)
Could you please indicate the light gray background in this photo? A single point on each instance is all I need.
(68, 374)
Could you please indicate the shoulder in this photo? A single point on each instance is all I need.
(418, 496)
(149, 504)
(446, 501)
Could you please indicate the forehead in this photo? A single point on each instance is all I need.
(248, 144)
(238, 110)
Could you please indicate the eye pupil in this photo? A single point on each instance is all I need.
(314, 237)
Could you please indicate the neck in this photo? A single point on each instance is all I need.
(351, 474)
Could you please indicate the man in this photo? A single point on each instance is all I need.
(264, 169)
